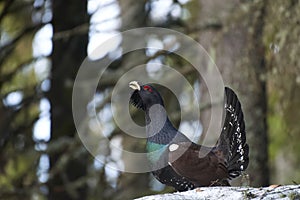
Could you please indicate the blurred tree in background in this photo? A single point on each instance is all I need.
(254, 43)
(68, 163)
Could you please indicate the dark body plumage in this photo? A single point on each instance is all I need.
(182, 164)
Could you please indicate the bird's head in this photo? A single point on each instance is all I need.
(144, 96)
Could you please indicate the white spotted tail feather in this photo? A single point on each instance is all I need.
(232, 140)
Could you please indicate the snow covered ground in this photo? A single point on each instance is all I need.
(233, 193)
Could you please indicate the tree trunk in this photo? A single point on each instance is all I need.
(246, 72)
(238, 51)
(281, 37)
(68, 53)
(133, 16)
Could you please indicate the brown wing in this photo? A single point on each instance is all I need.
(203, 166)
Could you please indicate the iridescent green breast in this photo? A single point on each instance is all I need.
(154, 151)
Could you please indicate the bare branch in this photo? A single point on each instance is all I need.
(213, 25)
(78, 30)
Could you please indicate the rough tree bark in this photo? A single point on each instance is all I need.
(238, 51)
(281, 38)
(247, 73)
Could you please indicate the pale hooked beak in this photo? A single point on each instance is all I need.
(134, 85)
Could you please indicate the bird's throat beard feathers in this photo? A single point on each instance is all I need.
(136, 101)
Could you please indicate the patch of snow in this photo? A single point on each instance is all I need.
(233, 193)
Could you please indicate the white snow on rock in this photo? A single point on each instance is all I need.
(233, 193)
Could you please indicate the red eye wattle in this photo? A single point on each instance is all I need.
(148, 88)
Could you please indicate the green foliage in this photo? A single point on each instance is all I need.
(19, 159)
(18, 170)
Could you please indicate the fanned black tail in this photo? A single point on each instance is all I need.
(233, 136)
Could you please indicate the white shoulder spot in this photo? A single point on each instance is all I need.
(173, 147)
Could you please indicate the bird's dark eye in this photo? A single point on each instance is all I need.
(148, 88)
